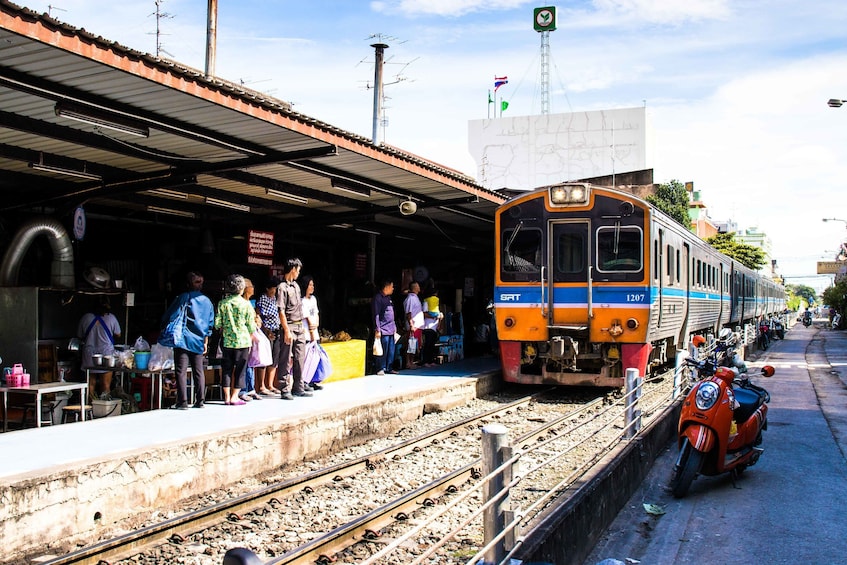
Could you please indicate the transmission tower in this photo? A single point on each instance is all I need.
(545, 72)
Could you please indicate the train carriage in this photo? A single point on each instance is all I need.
(591, 281)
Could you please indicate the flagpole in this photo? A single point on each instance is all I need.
(488, 116)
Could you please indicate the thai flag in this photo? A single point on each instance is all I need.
(500, 81)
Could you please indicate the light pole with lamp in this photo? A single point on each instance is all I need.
(835, 220)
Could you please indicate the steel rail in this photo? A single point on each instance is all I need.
(181, 527)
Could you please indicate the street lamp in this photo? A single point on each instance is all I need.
(835, 102)
(836, 220)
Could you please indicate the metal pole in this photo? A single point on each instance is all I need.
(380, 57)
(494, 439)
(211, 37)
(633, 413)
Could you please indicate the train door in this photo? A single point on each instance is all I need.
(568, 261)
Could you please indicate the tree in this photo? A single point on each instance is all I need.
(804, 292)
(748, 255)
(672, 199)
(836, 297)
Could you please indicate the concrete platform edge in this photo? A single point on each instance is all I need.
(91, 497)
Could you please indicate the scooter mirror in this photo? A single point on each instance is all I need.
(767, 371)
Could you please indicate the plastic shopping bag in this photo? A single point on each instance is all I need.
(377, 351)
(413, 345)
(261, 354)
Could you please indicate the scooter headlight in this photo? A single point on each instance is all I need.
(707, 395)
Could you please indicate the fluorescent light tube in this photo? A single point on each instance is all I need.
(169, 193)
(227, 204)
(170, 211)
(63, 171)
(344, 187)
(123, 124)
(286, 195)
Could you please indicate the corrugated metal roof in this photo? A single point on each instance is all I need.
(208, 138)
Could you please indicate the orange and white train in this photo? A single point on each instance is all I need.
(591, 281)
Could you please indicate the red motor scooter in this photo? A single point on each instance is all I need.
(720, 426)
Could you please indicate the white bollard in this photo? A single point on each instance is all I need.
(494, 440)
(633, 394)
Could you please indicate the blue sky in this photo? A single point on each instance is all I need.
(736, 91)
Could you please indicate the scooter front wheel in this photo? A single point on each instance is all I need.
(687, 466)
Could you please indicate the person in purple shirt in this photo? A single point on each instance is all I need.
(385, 327)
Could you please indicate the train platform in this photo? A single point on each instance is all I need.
(70, 481)
(788, 508)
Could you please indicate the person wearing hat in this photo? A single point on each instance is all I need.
(98, 331)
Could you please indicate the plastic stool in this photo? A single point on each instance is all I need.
(73, 411)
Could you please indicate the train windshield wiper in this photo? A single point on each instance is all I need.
(507, 249)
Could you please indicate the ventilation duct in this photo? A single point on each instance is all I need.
(62, 267)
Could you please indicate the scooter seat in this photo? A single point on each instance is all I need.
(749, 401)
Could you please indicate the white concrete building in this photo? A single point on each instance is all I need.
(526, 152)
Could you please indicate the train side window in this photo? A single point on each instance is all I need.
(677, 266)
(669, 261)
(522, 253)
(699, 271)
(619, 249)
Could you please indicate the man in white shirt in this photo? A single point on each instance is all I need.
(414, 321)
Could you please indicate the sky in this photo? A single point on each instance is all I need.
(736, 90)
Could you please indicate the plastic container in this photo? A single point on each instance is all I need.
(142, 360)
(106, 408)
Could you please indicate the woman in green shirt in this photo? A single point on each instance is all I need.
(236, 320)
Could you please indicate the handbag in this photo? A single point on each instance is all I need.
(173, 334)
(377, 351)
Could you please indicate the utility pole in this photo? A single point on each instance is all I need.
(211, 37)
(380, 60)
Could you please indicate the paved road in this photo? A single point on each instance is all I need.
(790, 508)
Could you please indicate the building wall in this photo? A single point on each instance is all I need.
(526, 152)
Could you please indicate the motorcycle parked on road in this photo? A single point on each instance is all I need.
(720, 425)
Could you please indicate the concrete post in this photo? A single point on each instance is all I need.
(494, 439)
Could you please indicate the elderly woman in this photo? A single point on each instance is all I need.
(237, 321)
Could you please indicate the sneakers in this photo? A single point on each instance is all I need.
(302, 393)
(316, 386)
(286, 396)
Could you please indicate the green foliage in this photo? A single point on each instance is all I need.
(836, 296)
(672, 199)
(748, 255)
(801, 293)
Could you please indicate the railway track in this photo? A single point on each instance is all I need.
(363, 525)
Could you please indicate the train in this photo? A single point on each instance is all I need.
(591, 281)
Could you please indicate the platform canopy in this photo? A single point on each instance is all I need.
(84, 120)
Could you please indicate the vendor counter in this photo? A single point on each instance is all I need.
(347, 358)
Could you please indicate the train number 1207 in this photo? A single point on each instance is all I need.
(639, 297)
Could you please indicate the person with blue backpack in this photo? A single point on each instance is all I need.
(188, 323)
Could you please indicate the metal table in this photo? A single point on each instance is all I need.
(39, 390)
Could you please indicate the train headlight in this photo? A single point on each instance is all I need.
(632, 324)
(707, 395)
(509, 322)
(564, 194)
